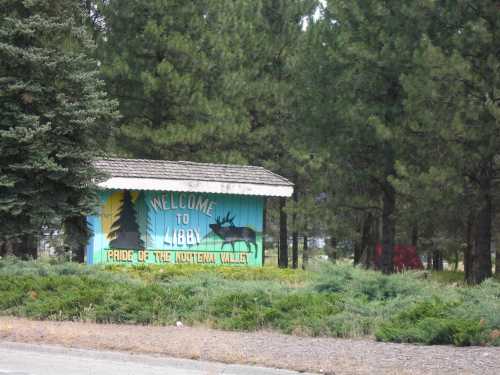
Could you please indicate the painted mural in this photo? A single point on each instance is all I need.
(175, 227)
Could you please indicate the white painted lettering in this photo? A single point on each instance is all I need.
(197, 234)
(190, 237)
(181, 237)
(156, 203)
(191, 201)
(202, 204)
(172, 203)
(211, 206)
(167, 239)
(182, 203)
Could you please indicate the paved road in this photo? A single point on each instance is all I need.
(25, 359)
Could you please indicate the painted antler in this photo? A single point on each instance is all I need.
(227, 219)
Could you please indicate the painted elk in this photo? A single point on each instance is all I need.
(231, 234)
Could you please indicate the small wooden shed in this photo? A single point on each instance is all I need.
(158, 212)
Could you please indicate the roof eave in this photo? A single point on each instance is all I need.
(197, 186)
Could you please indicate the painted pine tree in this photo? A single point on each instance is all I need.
(144, 219)
(125, 230)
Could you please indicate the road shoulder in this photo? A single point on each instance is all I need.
(53, 354)
(267, 349)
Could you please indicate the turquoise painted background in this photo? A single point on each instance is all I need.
(172, 227)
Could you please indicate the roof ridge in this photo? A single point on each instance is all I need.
(279, 176)
(188, 170)
(158, 161)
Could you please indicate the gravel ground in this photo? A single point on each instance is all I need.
(321, 355)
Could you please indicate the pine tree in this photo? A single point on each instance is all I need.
(125, 230)
(206, 80)
(452, 99)
(356, 101)
(55, 115)
(165, 61)
(268, 34)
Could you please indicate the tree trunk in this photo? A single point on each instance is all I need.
(388, 229)
(305, 253)
(373, 238)
(429, 260)
(332, 254)
(76, 236)
(456, 259)
(437, 260)
(358, 252)
(295, 250)
(363, 247)
(9, 248)
(414, 236)
(24, 247)
(497, 260)
(481, 267)
(283, 246)
(468, 259)
(29, 244)
(295, 237)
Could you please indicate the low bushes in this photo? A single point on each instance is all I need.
(432, 322)
(339, 301)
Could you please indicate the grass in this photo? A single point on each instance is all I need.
(332, 300)
(447, 277)
(169, 272)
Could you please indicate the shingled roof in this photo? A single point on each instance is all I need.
(189, 176)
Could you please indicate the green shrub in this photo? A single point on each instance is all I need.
(241, 310)
(431, 322)
(303, 312)
(333, 300)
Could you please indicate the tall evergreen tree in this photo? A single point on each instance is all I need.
(54, 115)
(268, 37)
(357, 105)
(165, 62)
(204, 80)
(452, 96)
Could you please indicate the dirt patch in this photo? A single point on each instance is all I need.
(321, 355)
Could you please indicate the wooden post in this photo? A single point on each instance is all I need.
(283, 245)
(264, 218)
(295, 237)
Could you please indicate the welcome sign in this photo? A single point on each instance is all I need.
(154, 227)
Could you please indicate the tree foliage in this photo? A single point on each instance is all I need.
(402, 97)
(170, 70)
(54, 116)
(384, 113)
